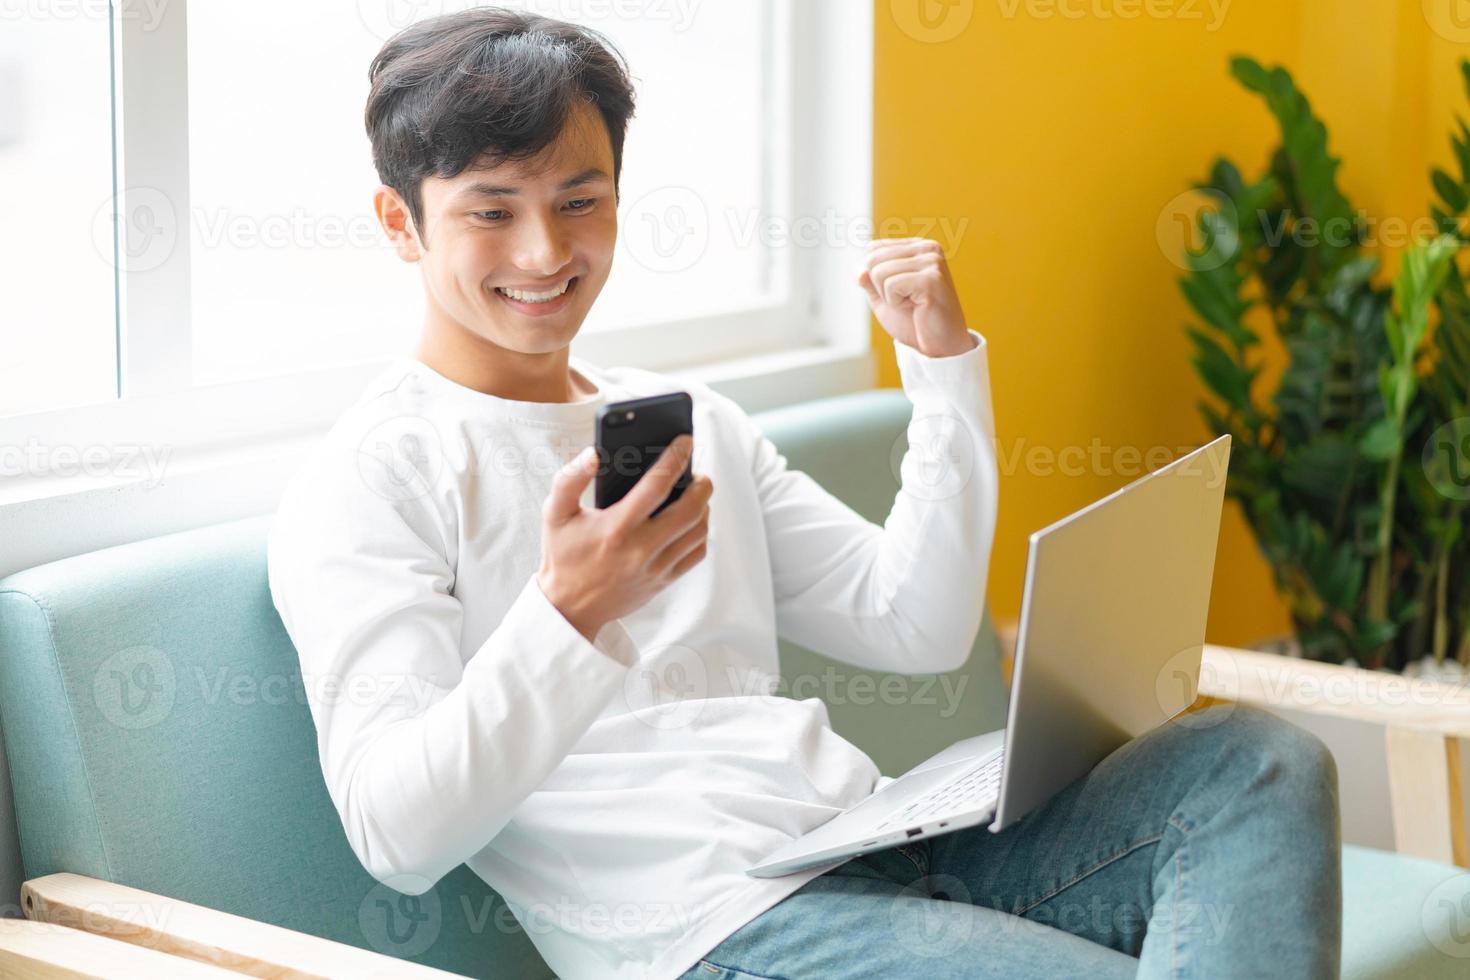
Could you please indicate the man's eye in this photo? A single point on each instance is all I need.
(582, 203)
(494, 215)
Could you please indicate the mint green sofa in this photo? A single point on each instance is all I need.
(157, 735)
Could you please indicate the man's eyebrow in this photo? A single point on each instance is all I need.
(484, 189)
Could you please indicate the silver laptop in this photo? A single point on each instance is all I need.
(1112, 628)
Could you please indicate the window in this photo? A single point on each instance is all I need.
(200, 266)
(57, 328)
(289, 268)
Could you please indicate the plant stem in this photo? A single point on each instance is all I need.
(1463, 654)
(1378, 576)
(1462, 607)
(1441, 591)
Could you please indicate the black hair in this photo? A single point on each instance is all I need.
(486, 83)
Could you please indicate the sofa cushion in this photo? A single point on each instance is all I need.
(1403, 918)
(158, 736)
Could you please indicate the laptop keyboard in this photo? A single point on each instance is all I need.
(978, 786)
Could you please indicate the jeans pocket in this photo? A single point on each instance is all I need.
(917, 853)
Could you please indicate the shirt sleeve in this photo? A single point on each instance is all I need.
(425, 755)
(908, 596)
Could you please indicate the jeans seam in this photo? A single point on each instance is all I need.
(1092, 870)
(743, 973)
(1180, 877)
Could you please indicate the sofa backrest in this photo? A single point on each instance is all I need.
(158, 735)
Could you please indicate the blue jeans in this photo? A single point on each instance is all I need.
(1209, 847)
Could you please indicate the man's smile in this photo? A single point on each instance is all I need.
(538, 302)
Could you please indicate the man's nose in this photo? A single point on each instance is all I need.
(541, 249)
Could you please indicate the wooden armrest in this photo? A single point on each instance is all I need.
(201, 934)
(1373, 696)
(1273, 681)
(1423, 721)
(43, 951)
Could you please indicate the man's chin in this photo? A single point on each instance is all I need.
(545, 337)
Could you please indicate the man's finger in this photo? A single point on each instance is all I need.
(565, 500)
(917, 246)
(656, 482)
(883, 272)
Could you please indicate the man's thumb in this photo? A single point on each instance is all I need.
(565, 501)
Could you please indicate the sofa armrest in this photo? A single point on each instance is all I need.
(40, 950)
(1422, 720)
(193, 932)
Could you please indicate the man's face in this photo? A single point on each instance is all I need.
(518, 253)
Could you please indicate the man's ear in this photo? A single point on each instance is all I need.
(397, 224)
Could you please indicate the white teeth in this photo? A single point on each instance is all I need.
(525, 297)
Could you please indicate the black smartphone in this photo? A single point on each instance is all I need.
(631, 435)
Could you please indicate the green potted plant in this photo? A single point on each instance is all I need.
(1354, 472)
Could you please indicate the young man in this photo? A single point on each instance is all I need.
(492, 660)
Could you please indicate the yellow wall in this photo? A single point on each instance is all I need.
(1063, 129)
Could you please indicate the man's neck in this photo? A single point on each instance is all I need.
(486, 367)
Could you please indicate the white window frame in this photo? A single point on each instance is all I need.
(235, 443)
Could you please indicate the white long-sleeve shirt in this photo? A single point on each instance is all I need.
(613, 792)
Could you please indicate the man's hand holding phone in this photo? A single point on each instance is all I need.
(600, 564)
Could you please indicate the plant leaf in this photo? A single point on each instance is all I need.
(1450, 191)
(1380, 441)
(1311, 168)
